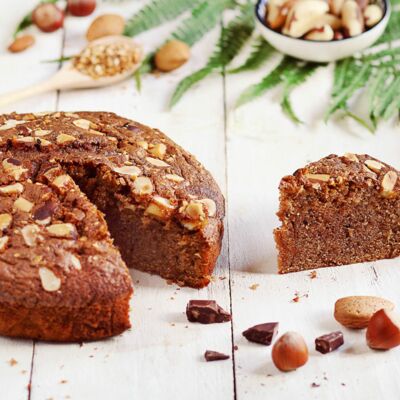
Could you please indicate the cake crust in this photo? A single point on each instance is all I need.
(337, 211)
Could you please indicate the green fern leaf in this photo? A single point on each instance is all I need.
(392, 52)
(352, 82)
(185, 84)
(389, 97)
(231, 40)
(291, 79)
(203, 19)
(271, 80)
(156, 13)
(261, 52)
(376, 88)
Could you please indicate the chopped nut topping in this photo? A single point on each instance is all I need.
(191, 225)
(318, 177)
(75, 262)
(23, 205)
(3, 243)
(11, 123)
(94, 132)
(130, 170)
(374, 165)
(210, 206)
(11, 189)
(194, 210)
(24, 139)
(142, 186)
(41, 132)
(30, 234)
(50, 282)
(174, 178)
(160, 207)
(388, 184)
(14, 168)
(43, 214)
(72, 115)
(66, 230)
(156, 162)
(62, 181)
(44, 142)
(82, 123)
(143, 144)
(64, 138)
(351, 157)
(158, 150)
(5, 221)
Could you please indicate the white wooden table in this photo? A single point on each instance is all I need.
(248, 150)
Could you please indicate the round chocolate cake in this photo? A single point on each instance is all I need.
(73, 185)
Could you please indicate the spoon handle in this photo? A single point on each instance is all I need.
(30, 91)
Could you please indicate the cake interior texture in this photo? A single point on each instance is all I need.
(337, 211)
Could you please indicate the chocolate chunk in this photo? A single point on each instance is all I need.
(206, 312)
(210, 355)
(262, 333)
(329, 342)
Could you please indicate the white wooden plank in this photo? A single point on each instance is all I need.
(17, 71)
(162, 355)
(263, 146)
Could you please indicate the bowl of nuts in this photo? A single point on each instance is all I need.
(322, 30)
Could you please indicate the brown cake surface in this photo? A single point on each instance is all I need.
(336, 211)
(61, 278)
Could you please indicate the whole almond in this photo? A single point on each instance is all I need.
(105, 25)
(356, 311)
(21, 43)
(172, 55)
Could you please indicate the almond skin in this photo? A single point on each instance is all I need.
(290, 352)
(105, 25)
(172, 55)
(356, 311)
(383, 331)
(21, 43)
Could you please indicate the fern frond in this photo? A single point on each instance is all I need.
(203, 19)
(390, 52)
(185, 84)
(376, 88)
(359, 120)
(261, 52)
(156, 13)
(271, 80)
(341, 98)
(291, 79)
(388, 97)
(231, 40)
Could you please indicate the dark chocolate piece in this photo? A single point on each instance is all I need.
(262, 333)
(329, 342)
(211, 355)
(206, 312)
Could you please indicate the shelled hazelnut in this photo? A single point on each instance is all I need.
(322, 20)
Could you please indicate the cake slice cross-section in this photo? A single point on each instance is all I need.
(337, 211)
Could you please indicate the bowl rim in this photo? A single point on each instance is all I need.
(261, 20)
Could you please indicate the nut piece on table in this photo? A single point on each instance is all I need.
(81, 8)
(211, 355)
(329, 342)
(356, 311)
(290, 352)
(172, 55)
(21, 43)
(383, 332)
(105, 25)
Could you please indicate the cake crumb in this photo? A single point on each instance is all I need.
(63, 381)
(254, 286)
(312, 274)
(315, 385)
(12, 362)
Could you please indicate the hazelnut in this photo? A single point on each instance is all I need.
(23, 205)
(11, 189)
(158, 150)
(105, 25)
(174, 178)
(172, 55)
(5, 221)
(383, 332)
(66, 230)
(374, 165)
(3, 243)
(82, 123)
(156, 162)
(30, 234)
(388, 183)
(143, 186)
(290, 352)
(50, 282)
(64, 138)
(129, 170)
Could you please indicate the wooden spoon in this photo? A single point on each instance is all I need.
(68, 77)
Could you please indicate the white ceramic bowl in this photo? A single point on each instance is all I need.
(320, 51)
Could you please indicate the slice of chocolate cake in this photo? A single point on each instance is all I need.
(336, 211)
